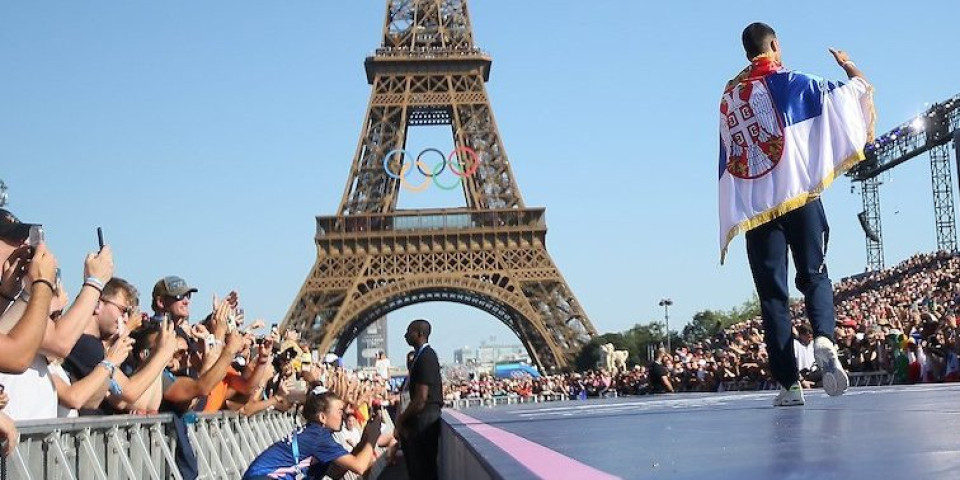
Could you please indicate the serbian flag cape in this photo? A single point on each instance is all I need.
(784, 137)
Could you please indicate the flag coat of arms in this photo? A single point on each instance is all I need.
(784, 137)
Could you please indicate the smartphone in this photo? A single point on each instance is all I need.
(100, 237)
(157, 319)
(35, 237)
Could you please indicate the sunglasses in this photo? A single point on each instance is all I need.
(177, 298)
(126, 310)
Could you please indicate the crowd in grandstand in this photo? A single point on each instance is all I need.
(95, 353)
(901, 320)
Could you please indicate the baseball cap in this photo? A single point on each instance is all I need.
(171, 286)
(331, 358)
(12, 228)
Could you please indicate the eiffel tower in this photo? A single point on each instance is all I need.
(373, 258)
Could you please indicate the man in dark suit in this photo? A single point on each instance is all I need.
(418, 427)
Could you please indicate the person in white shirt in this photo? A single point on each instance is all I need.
(382, 365)
(803, 351)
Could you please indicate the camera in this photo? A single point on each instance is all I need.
(155, 320)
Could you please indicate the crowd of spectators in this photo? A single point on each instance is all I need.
(97, 353)
(901, 321)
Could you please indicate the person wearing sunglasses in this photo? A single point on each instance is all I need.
(118, 303)
(171, 296)
(171, 299)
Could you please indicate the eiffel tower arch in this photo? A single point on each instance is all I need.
(373, 258)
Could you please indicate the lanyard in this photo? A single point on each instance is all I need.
(296, 454)
(406, 382)
(415, 357)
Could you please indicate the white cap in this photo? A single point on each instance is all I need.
(330, 358)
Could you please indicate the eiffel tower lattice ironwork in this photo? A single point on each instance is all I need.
(373, 258)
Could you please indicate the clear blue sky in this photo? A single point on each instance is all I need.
(204, 137)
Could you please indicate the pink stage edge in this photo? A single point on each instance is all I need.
(542, 461)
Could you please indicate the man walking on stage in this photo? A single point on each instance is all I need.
(784, 137)
(418, 426)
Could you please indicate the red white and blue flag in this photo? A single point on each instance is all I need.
(784, 137)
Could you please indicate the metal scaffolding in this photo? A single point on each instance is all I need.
(931, 131)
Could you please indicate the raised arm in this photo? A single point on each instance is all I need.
(77, 394)
(21, 344)
(60, 337)
(134, 386)
(361, 458)
(186, 389)
(846, 64)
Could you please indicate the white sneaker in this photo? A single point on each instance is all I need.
(789, 397)
(835, 380)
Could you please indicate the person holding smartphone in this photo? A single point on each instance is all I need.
(22, 341)
(15, 253)
(311, 451)
(36, 399)
(22, 335)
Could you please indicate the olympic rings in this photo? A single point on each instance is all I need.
(443, 162)
(434, 172)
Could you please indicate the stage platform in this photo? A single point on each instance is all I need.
(870, 432)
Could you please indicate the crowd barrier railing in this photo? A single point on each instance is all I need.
(142, 447)
(461, 403)
(139, 447)
(226, 442)
(94, 448)
(857, 379)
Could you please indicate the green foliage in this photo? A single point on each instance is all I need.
(639, 339)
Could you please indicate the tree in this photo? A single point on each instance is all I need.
(639, 339)
(708, 323)
(704, 325)
(642, 337)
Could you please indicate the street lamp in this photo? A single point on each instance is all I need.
(665, 303)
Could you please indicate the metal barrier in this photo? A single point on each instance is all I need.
(96, 448)
(139, 447)
(462, 403)
(871, 379)
(226, 442)
(142, 447)
(857, 379)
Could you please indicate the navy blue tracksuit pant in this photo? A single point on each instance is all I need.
(805, 232)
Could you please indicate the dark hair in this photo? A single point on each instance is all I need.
(117, 285)
(141, 341)
(317, 403)
(756, 37)
(803, 330)
(283, 358)
(421, 326)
